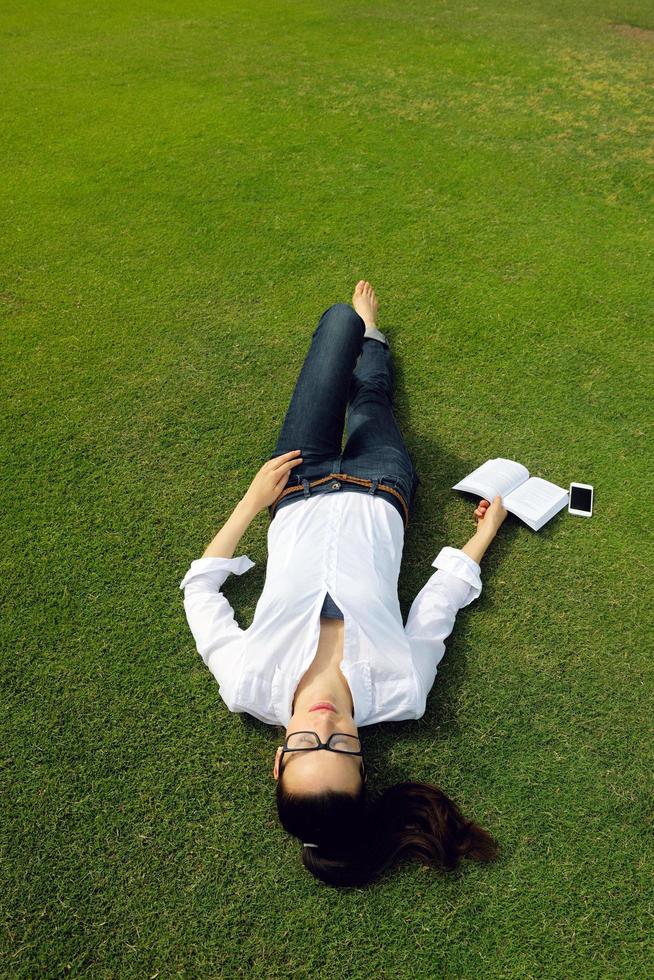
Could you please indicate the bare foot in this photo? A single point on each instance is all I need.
(365, 302)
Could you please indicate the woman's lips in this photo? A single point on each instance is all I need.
(322, 705)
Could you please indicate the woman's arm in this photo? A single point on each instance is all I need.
(226, 541)
(263, 491)
(490, 517)
(209, 614)
(477, 545)
(455, 584)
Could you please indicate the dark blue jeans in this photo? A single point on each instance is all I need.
(343, 370)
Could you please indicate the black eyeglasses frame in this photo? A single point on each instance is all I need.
(324, 745)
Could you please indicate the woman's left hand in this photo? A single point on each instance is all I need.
(271, 480)
(489, 516)
(481, 510)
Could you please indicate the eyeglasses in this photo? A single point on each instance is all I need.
(337, 742)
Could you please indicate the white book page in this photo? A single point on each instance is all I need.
(536, 501)
(493, 477)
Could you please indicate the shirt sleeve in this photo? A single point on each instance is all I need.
(455, 583)
(211, 618)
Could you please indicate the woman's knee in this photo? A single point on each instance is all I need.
(342, 314)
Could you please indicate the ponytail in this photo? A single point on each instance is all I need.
(357, 840)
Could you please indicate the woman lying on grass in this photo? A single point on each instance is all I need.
(327, 653)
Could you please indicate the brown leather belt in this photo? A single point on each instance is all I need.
(344, 478)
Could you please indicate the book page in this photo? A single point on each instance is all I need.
(536, 501)
(493, 477)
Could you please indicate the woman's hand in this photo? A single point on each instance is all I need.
(489, 516)
(271, 480)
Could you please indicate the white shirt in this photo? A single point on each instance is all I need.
(350, 545)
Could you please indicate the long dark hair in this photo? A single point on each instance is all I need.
(357, 840)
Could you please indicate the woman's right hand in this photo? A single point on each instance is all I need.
(489, 516)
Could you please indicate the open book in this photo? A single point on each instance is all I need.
(533, 500)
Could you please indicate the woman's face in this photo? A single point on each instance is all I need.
(320, 770)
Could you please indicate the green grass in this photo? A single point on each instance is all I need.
(185, 188)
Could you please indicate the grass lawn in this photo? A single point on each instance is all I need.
(185, 188)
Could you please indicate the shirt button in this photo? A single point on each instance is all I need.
(335, 485)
